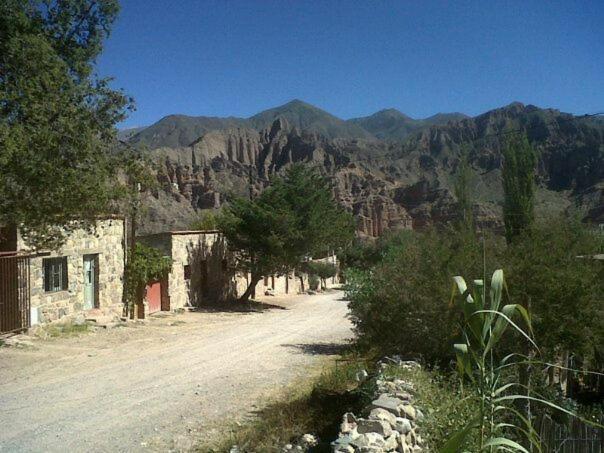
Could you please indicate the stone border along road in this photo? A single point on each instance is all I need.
(166, 385)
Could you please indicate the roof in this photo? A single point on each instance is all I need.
(182, 232)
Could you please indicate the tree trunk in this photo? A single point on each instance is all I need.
(250, 288)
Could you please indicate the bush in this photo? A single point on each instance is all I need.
(313, 282)
(145, 265)
(400, 305)
(322, 270)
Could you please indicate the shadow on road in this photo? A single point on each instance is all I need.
(252, 306)
(320, 348)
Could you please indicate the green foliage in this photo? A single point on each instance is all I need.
(396, 305)
(295, 217)
(57, 117)
(486, 369)
(362, 254)
(446, 408)
(313, 282)
(322, 270)
(207, 220)
(519, 161)
(145, 265)
(563, 291)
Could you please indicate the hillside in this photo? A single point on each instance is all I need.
(390, 124)
(387, 182)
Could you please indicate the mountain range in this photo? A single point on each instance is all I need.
(390, 170)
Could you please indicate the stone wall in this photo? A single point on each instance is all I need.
(107, 244)
(392, 421)
(200, 272)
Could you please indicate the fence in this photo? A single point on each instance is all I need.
(14, 293)
(573, 437)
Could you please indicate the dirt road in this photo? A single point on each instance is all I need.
(165, 385)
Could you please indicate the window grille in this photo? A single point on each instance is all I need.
(55, 274)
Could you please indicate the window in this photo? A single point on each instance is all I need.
(187, 270)
(55, 274)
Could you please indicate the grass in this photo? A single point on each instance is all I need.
(445, 408)
(314, 407)
(65, 330)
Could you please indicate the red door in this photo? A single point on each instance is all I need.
(154, 296)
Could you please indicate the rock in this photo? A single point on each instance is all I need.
(381, 427)
(408, 411)
(371, 440)
(391, 442)
(79, 320)
(404, 385)
(343, 442)
(389, 403)
(419, 415)
(349, 423)
(382, 414)
(402, 425)
(362, 376)
(308, 441)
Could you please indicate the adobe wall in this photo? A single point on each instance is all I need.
(107, 242)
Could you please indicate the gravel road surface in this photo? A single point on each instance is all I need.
(164, 385)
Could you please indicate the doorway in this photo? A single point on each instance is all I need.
(91, 281)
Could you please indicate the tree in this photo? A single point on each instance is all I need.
(57, 117)
(207, 220)
(519, 160)
(294, 218)
(322, 270)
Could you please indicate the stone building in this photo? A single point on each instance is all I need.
(85, 273)
(200, 269)
(202, 272)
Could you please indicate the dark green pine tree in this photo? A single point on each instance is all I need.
(57, 117)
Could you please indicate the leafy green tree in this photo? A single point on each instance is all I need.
(553, 271)
(207, 220)
(322, 270)
(295, 217)
(519, 161)
(57, 116)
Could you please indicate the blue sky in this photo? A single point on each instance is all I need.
(352, 58)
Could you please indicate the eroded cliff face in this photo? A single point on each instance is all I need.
(388, 185)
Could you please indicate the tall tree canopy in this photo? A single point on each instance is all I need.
(57, 116)
(519, 161)
(294, 218)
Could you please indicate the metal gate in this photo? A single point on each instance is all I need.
(14, 293)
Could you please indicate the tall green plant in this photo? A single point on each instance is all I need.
(519, 161)
(485, 321)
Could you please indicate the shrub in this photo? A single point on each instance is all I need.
(145, 265)
(399, 305)
(322, 270)
(313, 282)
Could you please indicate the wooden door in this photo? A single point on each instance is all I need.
(154, 297)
